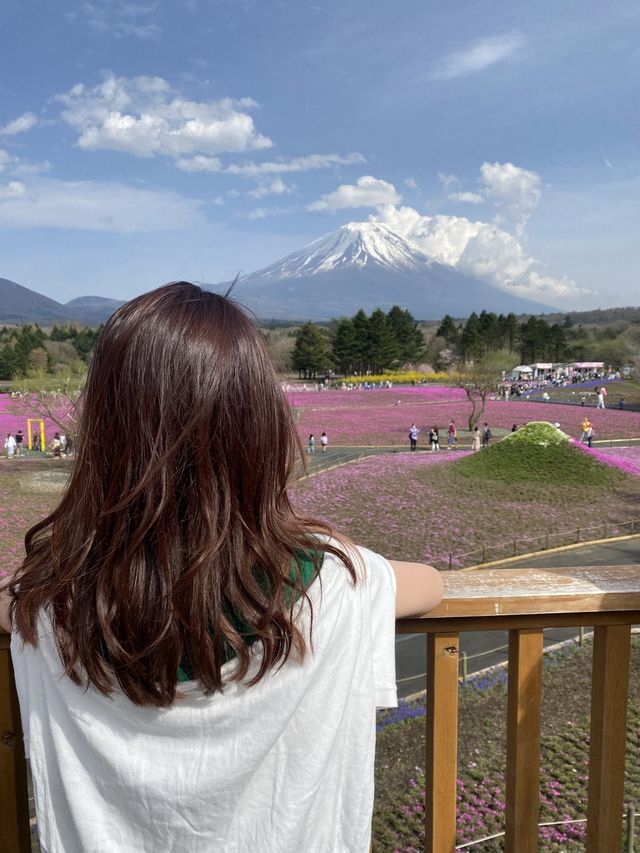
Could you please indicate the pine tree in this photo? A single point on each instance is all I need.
(409, 339)
(311, 351)
(382, 342)
(344, 347)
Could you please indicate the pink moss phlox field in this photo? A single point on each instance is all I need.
(11, 421)
(627, 459)
(383, 416)
(417, 506)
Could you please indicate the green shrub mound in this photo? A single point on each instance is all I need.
(538, 432)
(537, 452)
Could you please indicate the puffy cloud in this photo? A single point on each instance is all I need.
(145, 116)
(411, 183)
(514, 189)
(469, 198)
(366, 192)
(479, 249)
(296, 164)
(94, 206)
(19, 125)
(477, 56)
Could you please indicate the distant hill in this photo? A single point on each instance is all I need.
(18, 304)
(93, 310)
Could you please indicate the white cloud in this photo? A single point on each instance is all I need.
(516, 191)
(469, 198)
(258, 213)
(411, 183)
(275, 187)
(19, 125)
(477, 56)
(479, 249)
(5, 160)
(114, 18)
(200, 163)
(366, 192)
(144, 116)
(296, 164)
(94, 206)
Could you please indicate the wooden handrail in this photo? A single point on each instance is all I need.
(522, 601)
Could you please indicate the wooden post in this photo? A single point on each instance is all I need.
(14, 803)
(523, 740)
(631, 827)
(609, 694)
(442, 743)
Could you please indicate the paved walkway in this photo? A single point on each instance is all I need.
(490, 646)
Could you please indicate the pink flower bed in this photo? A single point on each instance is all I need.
(383, 417)
(11, 420)
(627, 459)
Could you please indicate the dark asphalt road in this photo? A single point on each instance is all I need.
(483, 648)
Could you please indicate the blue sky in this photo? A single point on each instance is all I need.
(142, 142)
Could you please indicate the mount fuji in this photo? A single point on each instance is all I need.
(367, 265)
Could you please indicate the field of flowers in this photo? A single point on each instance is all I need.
(383, 416)
(11, 419)
(627, 459)
(418, 506)
(398, 824)
(24, 502)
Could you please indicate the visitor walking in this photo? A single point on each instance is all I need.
(452, 435)
(475, 439)
(35, 441)
(434, 438)
(585, 426)
(10, 445)
(413, 436)
(486, 435)
(161, 620)
(600, 398)
(19, 441)
(312, 443)
(324, 441)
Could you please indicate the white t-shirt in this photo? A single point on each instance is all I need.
(284, 766)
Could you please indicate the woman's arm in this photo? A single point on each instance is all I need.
(419, 588)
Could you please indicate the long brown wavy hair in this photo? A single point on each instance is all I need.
(176, 527)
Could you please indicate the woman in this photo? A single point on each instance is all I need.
(475, 439)
(198, 666)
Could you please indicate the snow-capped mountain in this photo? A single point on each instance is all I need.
(357, 245)
(367, 265)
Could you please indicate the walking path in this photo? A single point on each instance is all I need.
(411, 648)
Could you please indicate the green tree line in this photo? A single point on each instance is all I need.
(358, 344)
(24, 349)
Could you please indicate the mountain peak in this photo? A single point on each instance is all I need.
(356, 245)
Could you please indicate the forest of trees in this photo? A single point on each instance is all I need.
(534, 339)
(358, 344)
(30, 348)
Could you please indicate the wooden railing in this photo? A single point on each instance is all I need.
(522, 601)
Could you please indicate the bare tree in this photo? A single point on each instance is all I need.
(54, 397)
(480, 379)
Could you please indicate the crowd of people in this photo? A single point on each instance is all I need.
(478, 438)
(15, 445)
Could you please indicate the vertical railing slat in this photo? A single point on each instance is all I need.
(14, 802)
(609, 695)
(442, 742)
(523, 740)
